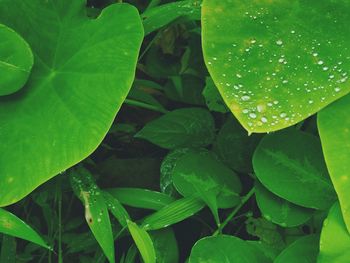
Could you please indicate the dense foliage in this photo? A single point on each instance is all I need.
(231, 143)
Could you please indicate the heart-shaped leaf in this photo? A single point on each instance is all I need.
(334, 128)
(82, 73)
(277, 62)
(16, 61)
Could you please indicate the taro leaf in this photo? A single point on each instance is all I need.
(157, 17)
(96, 211)
(16, 61)
(83, 71)
(277, 62)
(143, 242)
(304, 249)
(334, 128)
(234, 147)
(226, 249)
(140, 198)
(166, 246)
(173, 213)
(278, 210)
(202, 173)
(335, 239)
(290, 164)
(13, 226)
(189, 127)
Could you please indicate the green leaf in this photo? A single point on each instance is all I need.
(159, 16)
(8, 249)
(202, 173)
(173, 213)
(116, 208)
(290, 164)
(166, 246)
(333, 125)
(143, 242)
(335, 239)
(304, 249)
(278, 210)
(277, 62)
(141, 198)
(96, 212)
(13, 226)
(213, 98)
(234, 147)
(16, 61)
(186, 127)
(226, 249)
(83, 71)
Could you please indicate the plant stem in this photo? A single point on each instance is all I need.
(235, 211)
(144, 105)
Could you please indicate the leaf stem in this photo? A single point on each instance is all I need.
(235, 211)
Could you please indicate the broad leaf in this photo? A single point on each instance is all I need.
(334, 129)
(277, 62)
(335, 239)
(96, 211)
(166, 246)
(184, 127)
(83, 71)
(13, 226)
(304, 249)
(143, 242)
(278, 210)
(290, 164)
(226, 249)
(213, 98)
(16, 61)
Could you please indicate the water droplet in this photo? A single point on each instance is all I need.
(279, 42)
(245, 98)
(252, 115)
(264, 119)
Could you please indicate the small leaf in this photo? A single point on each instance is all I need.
(16, 61)
(159, 16)
(334, 129)
(202, 173)
(290, 164)
(13, 226)
(335, 239)
(141, 198)
(278, 210)
(115, 207)
(213, 98)
(234, 147)
(304, 249)
(186, 127)
(96, 212)
(143, 242)
(173, 213)
(226, 249)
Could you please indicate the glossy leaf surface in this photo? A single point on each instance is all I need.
(83, 71)
(277, 62)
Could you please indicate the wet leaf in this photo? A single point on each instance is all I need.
(277, 62)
